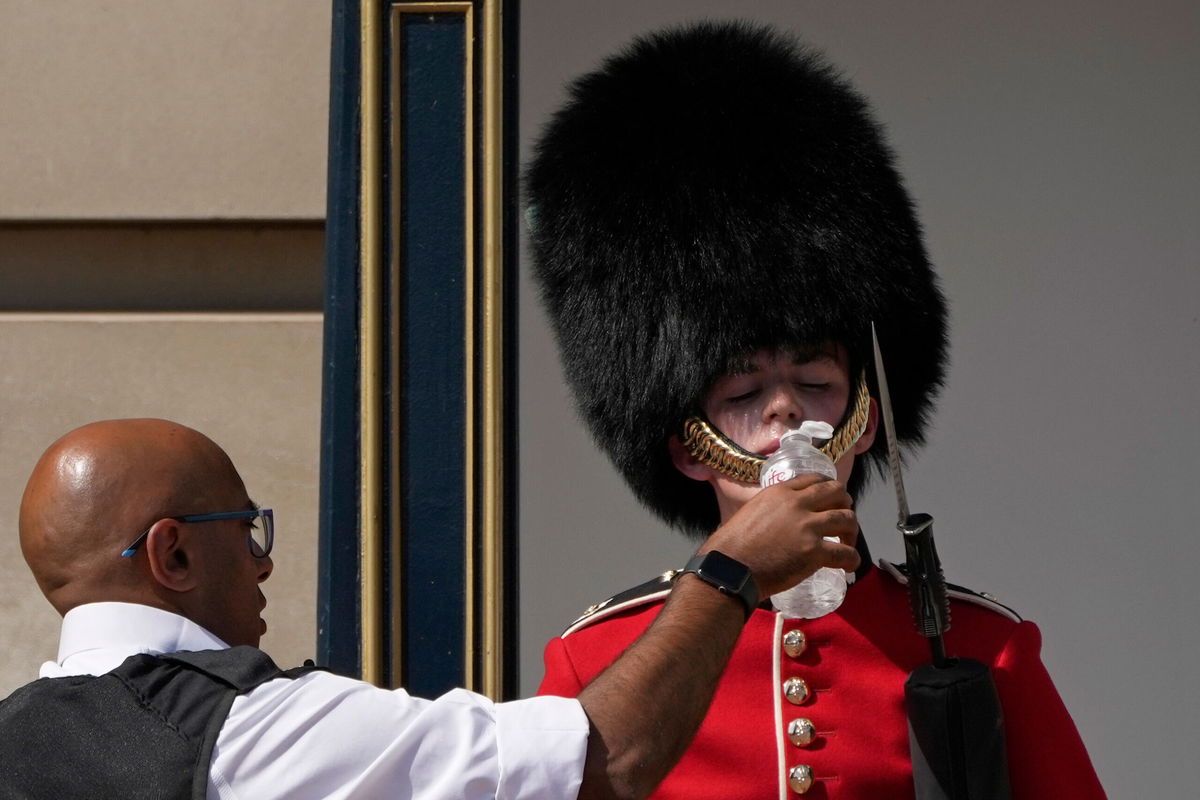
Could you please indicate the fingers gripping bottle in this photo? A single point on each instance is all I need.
(824, 590)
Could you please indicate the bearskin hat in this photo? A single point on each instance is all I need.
(710, 191)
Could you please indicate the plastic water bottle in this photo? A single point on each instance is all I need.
(824, 590)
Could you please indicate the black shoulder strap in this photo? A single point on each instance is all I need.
(241, 669)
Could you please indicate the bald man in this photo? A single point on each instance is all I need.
(142, 535)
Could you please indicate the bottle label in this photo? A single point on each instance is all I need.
(777, 473)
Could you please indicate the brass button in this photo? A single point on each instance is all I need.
(800, 778)
(795, 690)
(801, 732)
(794, 642)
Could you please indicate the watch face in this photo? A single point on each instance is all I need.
(724, 569)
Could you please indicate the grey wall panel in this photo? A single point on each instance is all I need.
(1051, 149)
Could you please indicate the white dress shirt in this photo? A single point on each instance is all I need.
(325, 736)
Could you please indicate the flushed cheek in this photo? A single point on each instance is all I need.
(743, 427)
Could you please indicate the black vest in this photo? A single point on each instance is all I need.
(144, 730)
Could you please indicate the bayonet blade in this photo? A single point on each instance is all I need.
(889, 427)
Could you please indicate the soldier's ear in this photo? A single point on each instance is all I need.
(685, 462)
(868, 438)
(169, 552)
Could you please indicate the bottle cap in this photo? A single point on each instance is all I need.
(810, 429)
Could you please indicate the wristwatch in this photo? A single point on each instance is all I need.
(728, 575)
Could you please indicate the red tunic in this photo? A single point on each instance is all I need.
(854, 663)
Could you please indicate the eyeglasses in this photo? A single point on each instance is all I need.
(260, 540)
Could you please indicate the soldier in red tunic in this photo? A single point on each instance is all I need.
(716, 222)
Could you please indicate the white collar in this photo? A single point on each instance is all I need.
(97, 637)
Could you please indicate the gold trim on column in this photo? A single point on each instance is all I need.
(492, 399)
(370, 335)
(470, 504)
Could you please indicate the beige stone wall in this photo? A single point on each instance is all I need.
(159, 160)
(251, 382)
(163, 110)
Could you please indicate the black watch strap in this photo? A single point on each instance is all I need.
(728, 575)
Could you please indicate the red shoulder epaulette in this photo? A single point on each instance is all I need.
(647, 592)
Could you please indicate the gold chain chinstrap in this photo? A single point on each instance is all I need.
(710, 447)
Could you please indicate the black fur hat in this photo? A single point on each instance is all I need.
(710, 191)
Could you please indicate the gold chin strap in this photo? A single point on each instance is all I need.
(710, 447)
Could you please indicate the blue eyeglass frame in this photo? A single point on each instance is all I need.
(265, 514)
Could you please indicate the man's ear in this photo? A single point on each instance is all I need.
(685, 462)
(169, 553)
(868, 438)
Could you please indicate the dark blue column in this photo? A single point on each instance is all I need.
(432, 253)
(338, 601)
(427, 132)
